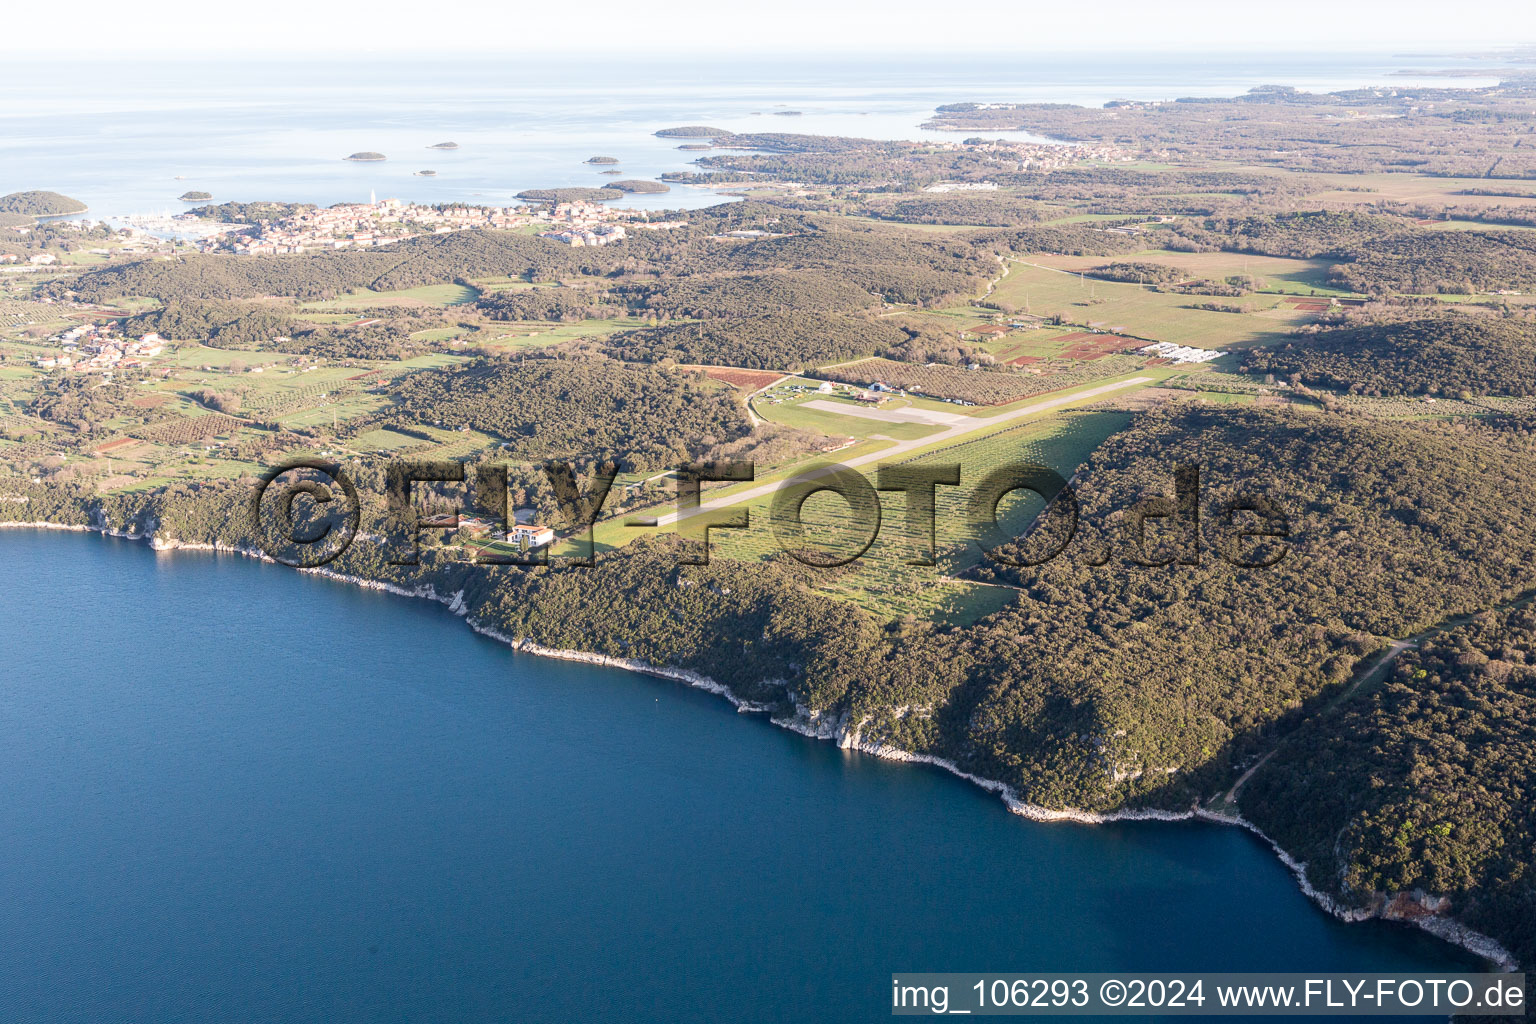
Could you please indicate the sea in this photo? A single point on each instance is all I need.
(230, 791)
(129, 137)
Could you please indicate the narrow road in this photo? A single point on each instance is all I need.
(974, 425)
(1371, 677)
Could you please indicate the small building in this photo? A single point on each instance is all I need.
(43, 259)
(531, 535)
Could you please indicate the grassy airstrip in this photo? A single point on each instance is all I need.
(1052, 291)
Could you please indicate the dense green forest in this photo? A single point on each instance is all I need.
(545, 304)
(1138, 272)
(1187, 669)
(1449, 354)
(887, 262)
(1423, 130)
(898, 267)
(1065, 239)
(80, 403)
(385, 333)
(651, 418)
(570, 195)
(960, 208)
(40, 204)
(217, 324)
(1442, 261)
(778, 342)
(1299, 235)
(815, 291)
(638, 185)
(1424, 783)
(250, 213)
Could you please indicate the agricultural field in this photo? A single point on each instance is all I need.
(512, 335)
(428, 295)
(1226, 383)
(980, 387)
(738, 378)
(841, 424)
(189, 429)
(1424, 407)
(1369, 189)
(1143, 313)
(1265, 273)
(16, 314)
(880, 580)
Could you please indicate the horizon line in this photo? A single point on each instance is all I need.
(1402, 50)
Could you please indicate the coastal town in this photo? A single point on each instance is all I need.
(1037, 156)
(386, 221)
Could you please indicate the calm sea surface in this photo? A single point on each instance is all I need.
(232, 792)
(119, 136)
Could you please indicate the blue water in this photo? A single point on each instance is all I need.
(119, 135)
(232, 792)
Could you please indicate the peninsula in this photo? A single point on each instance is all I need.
(692, 131)
(25, 207)
(1323, 303)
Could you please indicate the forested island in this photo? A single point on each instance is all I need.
(249, 213)
(570, 195)
(693, 131)
(634, 185)
(1329, 641)
(24, 207)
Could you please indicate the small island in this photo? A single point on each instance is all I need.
(695, 146)
(424, 174)
(195, 197)
(602, 159)
(445, 145)
(638, 186)
(570, 195)
(692, 131)
(611, 170)
(250, 213)
(366, 156)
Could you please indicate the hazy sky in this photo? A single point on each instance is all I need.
(154, 28)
